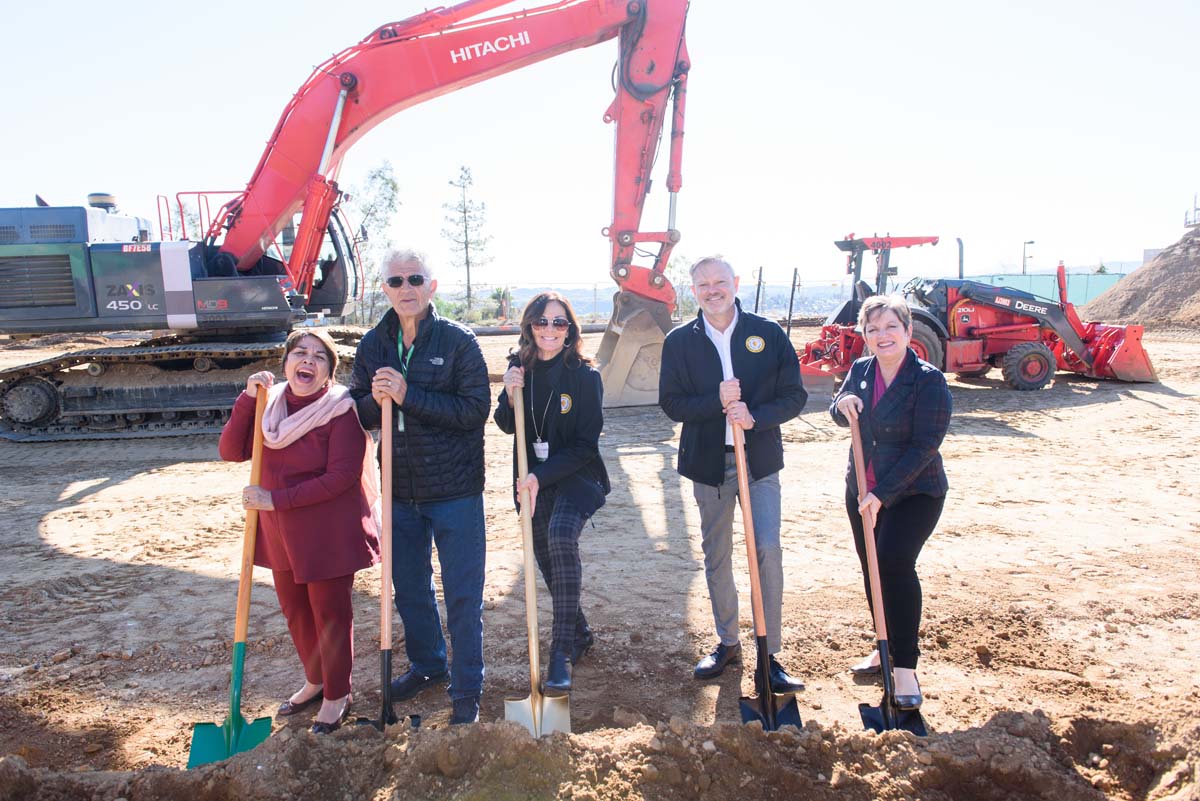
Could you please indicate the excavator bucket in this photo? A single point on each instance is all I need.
(1119, 354)
(631, 350)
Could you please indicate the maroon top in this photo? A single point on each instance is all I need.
(879, 389)
(321, 527)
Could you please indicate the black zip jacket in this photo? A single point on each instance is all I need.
(763, 360)
(439, 454)
(573, 427)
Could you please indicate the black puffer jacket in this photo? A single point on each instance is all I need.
(439, 455)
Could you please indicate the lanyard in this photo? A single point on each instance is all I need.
(541, 449)
(405, 358)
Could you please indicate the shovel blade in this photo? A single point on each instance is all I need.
(787, 712)
(873, 718)
(541, 715)
(212, 742)
(556, 714)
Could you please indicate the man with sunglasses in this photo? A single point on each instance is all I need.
(727, 367)
(433, 370)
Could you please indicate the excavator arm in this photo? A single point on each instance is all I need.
(439, 51)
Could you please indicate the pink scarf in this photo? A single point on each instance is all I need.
(281, 430)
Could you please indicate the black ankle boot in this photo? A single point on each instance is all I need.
(584, 639)
(558, 675)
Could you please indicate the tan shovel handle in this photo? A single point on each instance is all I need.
(743, 474)
(860, 472)
(386, 427)
(246, 577)
(531, 623)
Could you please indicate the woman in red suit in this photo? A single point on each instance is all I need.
(316, 517)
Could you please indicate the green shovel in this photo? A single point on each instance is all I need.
(213, 742)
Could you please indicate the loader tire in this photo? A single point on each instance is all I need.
(1028, 366)
(926, 344)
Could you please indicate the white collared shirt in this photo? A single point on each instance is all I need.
(724, 340)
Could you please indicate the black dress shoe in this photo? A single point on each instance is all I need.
(465, 710)
(781, 682)
(584, 640)
(413, 682)
(558, 675)
(290, 707)
(714, 664)
(326, 728)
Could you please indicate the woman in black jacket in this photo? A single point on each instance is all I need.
(567, 481)
(903, 407)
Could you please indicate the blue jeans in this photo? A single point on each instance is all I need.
(457, 528)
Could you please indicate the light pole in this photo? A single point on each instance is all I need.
(1023, 244)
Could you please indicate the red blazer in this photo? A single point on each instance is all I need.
(321, 527)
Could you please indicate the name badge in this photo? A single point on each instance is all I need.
(541, 450)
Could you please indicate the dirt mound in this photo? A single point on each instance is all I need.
(1165, 290)
(1014, 756)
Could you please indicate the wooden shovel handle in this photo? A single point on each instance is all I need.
(249, 533)
(531, 622)
(386, 429)
(860, 472)
(743, 474)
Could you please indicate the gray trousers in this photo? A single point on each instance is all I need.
(716, 526)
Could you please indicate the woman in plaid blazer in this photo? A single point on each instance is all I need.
(903, 407)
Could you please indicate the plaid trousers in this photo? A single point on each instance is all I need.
(557, 523)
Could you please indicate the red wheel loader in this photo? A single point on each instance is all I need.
(967, 327)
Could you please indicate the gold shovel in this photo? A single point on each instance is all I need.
(539, 713)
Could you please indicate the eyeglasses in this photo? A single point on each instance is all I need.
(397, 281)
(559, 323)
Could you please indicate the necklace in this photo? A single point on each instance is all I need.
(541, 450)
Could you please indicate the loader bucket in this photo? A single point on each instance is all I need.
(631, 350)
(1119, 353)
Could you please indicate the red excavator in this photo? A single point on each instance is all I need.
(967, 327)
(229, 299)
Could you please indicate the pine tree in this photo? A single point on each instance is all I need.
(464, 229)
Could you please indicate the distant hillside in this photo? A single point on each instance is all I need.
(597, 303)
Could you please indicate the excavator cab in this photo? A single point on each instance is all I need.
(336, 282)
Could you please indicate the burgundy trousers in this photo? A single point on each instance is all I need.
(320, 617)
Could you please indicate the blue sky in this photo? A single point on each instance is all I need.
(1073, 124)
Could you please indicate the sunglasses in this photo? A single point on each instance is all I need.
(559, 323)
(397, 281)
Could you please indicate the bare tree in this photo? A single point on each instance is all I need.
(464, 229)
(372, 206)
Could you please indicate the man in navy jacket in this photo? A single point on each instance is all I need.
(730, 366)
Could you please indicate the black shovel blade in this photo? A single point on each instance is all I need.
(787, 712)
(874, 718)
(387, 713)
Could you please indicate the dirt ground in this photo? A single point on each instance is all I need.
(1060, 656)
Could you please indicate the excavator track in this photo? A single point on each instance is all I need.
(158, 388)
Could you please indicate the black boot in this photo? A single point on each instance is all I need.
(584, 639)
(558, 675)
